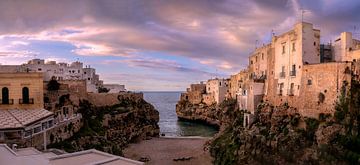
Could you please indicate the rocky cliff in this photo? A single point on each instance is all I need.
(216, 115)
(280, 135)
(111, 128)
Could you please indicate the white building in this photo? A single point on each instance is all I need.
(31, 156)
(218, 88)
(62, 71)
(293, 49)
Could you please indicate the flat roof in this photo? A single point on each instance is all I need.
(31, 156)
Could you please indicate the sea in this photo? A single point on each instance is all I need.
(165, 103)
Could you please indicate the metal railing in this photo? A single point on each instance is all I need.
(6, 102)
(28, 101)
(293, 73)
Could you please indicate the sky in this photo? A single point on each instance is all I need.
(160, 45)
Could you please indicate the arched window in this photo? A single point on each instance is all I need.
(25, 95)
(5, 95)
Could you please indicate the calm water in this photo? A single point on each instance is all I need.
(165, 103)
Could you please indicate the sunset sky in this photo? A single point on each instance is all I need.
(159, 44)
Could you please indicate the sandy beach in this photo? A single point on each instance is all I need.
(162, 151)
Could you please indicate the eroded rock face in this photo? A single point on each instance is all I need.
(111, 128)
(280, 135)
(216, 115)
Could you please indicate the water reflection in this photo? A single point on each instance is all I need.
(165, 103)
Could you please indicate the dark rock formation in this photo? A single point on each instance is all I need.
(213, 114)
(111, 128)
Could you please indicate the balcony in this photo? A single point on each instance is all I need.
(7, 102)
(29, 101)
(293, 73)
(291, 92)
(282, 74)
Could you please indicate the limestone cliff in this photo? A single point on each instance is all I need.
(111, 128)
(280, 135)
(211, 114)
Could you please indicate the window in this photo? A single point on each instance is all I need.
(39, 69)
(25, 95)
(314, 43)
(37, 129)
(256, 59)
(262, 56)
(44, 126)
(84, 72)
(309, 82)
(251, 62)
(283, 49)
(293, 46)
(50, 123)
(5, 95)
(28, 133)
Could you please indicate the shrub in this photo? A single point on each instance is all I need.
(53, 85)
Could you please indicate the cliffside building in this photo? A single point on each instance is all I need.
(63, 71)
(22, 114)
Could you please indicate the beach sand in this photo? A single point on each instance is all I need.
(162, 151)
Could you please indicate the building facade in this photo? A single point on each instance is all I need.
(22, 114)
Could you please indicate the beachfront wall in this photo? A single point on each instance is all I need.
(108, 99)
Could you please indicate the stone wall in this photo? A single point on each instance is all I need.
(16, 82)
(319, 91)
(107, 99)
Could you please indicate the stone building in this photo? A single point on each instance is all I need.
(22, 114)
(345, 47)
(194, 94)
(63, 71)
(216, 90)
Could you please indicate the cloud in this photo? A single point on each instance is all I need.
(162, 65)
(216, 33)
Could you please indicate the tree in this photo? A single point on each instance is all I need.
(103, 90)
(53, 85)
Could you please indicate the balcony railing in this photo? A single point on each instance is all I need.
(29, 101)
(293, 73)
(282, 74)
(5, 102)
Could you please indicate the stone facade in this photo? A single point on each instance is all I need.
(217, 88)
(24, 90)
(22, 107)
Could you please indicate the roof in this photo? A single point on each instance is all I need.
(16, 118)
(30, 156)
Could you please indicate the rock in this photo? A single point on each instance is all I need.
(144, 159)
